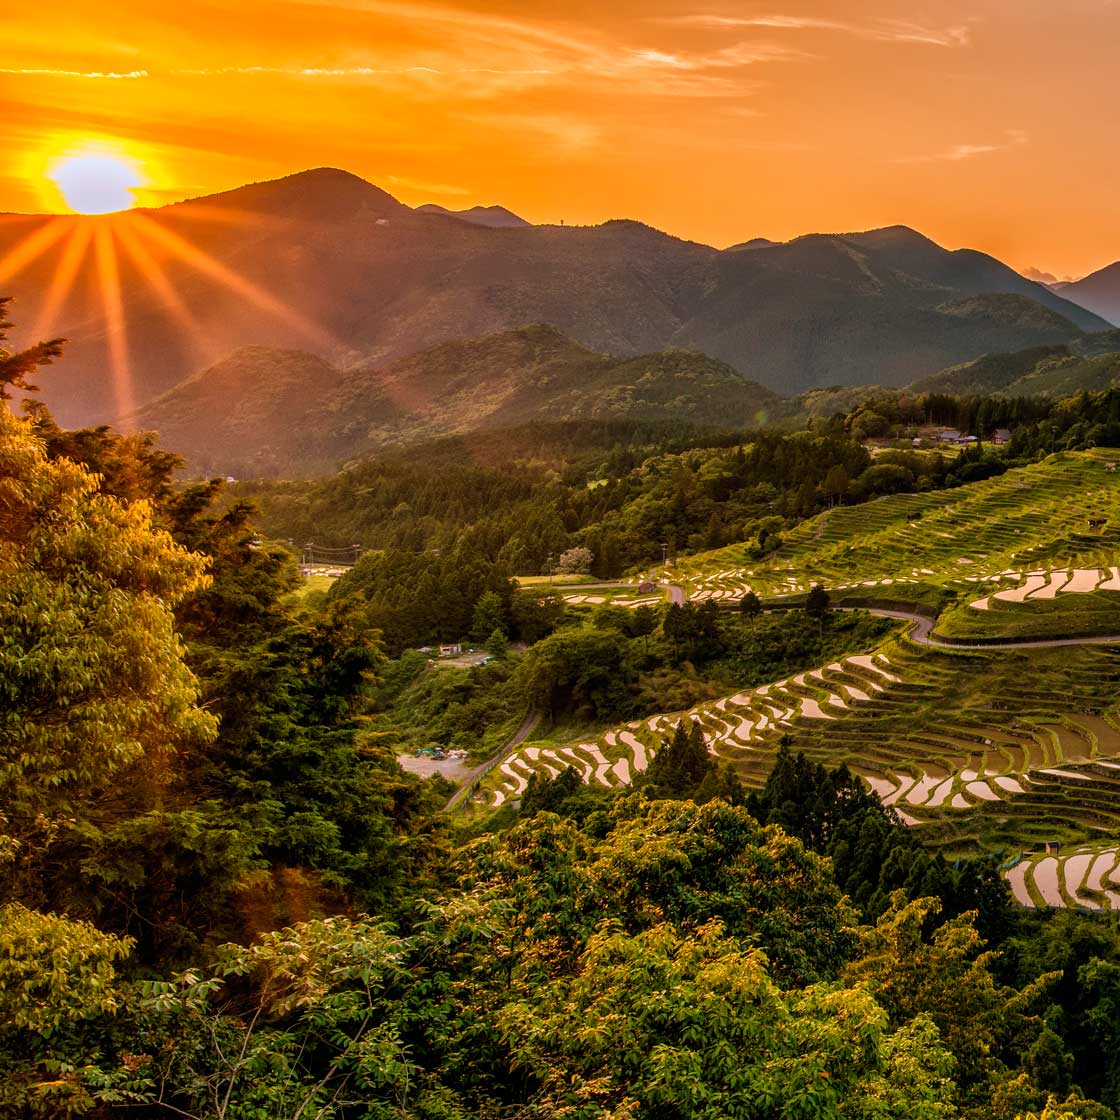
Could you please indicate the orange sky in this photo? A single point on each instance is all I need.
(990, 124)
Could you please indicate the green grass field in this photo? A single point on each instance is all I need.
(312, 584)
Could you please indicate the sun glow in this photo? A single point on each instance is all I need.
(96, 182)
(128, 255)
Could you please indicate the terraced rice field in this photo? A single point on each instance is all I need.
(630, 601)
(932, 733)
(984, 750)
(1026, 519)
(1042, 584)
(1043, 603)
(1087, 877)
(993, 751)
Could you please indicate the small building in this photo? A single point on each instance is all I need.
(949, 435)
(1001, 436)
(451, 649)
(646, 587)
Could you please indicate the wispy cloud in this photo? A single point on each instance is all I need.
(886, 31)
(485, 55)
(353, 71)
(48, 72)
(1015, 138)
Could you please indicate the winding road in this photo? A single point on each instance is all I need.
(479, 772)
(921, 633)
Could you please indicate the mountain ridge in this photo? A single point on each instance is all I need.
(324, 262)
(495, 217)
(1098, 292)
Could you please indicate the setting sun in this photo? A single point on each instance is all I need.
(96, 183)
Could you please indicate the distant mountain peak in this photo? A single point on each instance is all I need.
(496, 217)
(754, 243)
(897, 236)
(323, 192)
(1098, 292)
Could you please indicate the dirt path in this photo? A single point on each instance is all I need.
(511, 744)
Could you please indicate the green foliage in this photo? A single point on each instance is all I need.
(682, 763)
(489, 616)
(817, 601)
(873, 854)
(473, 709)
(577, 670)
(949, 978)
(17, 367)
(750, 605)
(548, 794)
(289, 811)
(56, 978)
(95, 697)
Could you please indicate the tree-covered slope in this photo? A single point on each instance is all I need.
(1044, 371)
(264, 412)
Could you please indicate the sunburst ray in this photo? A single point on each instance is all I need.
(203, 262)
(109, 280)
(33, 246)
(152, 272)
(73, 254)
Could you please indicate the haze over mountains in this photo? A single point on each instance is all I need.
(1099, 292)
(329, 265)
(264, 412)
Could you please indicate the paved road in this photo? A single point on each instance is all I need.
(921, 633)
(511, 744)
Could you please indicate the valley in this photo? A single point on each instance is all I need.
(1006, 743)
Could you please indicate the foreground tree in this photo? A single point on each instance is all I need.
(18, 367)
(92, 678)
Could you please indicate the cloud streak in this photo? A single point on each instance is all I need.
(884, 31)
(48, 72)
(354, 71)
(1016, 138)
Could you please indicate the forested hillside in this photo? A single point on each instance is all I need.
(262, 413)
(221, 895)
